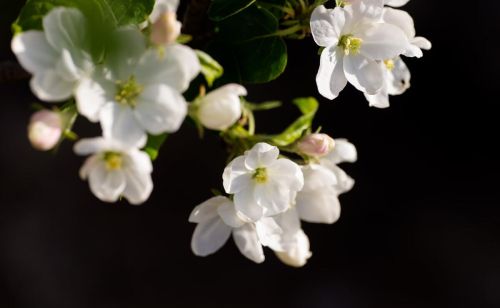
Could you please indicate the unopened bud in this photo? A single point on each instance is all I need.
(316, 145)
(166, 29)
(45, 129)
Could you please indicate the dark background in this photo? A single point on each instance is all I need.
(420, 229)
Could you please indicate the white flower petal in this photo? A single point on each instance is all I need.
(320, 206)
(160, 109)
(274, 197)
(227, 213)
(398, 80)
(326, 25)
(34, 52)
(207, 210)
(51, 87)
(66, 67)
(119, 123)
(245, 203)
(91, 95)
(286, 172)
(261, 155)
(400, 19)
(345, 182)
(65, 28)
(128, 45)
(209, 236)
(396, 3)
(344, 151)
(269, 233)
(139, 161)
(106, 185)
(162, 6)
(90, 146)
(331, 78)
(176, 66)
(89, 165)
(422, 42)
(383, 41)
(366, 10)
(236, 176)
(248, 243)
(298, 252)
(364, 74)
(139, 185)
(317, 177)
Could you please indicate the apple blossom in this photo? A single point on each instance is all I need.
(45, 129)
(55, 57)
(221, 108)
(355, 43)
(396, 81)
(139, 90)
(116, 169)
(217, 219)
(262, 184)
(294, 243)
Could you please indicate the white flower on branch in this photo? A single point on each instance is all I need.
(139, 90)
(56, 58)
(221, 108)
(294, 243)
(116, 169)
(396, 81)
(262, 184)
(318, 201)
(217, 219)
(355, 43)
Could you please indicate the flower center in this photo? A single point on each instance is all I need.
(389, 64)
(260, 175)
(128, 91)
(350, 44)
(114, 161)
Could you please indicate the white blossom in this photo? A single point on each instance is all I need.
(318, 201)
(56, 57)
(294, 243)
(217, 219)
(138, 90)
(396, 81)
(221, 108)
(45, 129)
(262, 184)
(116, 169)
(355, 43)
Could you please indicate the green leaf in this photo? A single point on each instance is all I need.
(154, 144)
(114, 12)
(222, 9)
(308, 107)
(210, 68)
(248, 47)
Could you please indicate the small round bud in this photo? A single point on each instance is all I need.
(221, 108)
(316, 145)
(45, 129)
(166, 29)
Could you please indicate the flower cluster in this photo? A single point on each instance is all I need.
(363, 43)
(139, 82)
(270, 196)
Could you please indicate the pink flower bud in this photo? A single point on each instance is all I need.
(166, 29)
(45, 129)
(316, 145)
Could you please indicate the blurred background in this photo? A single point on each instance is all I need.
(421, 228)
